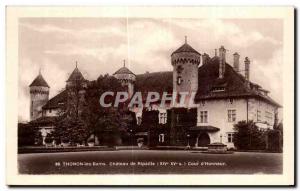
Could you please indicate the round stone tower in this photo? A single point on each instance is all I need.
(185, 61)
(39, 96)
(127, 78)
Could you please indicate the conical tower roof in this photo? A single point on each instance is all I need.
(124, 70)
(186, 48)
(39, 81)
(76, 75)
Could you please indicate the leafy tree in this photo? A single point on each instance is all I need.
(70, 127)
(248, 136)
(71, 130)
(26, 134)
(108, 124)
(84, 115)
(275, 138)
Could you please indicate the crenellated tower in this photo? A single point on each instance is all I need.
(127, 78)
(185, 61)
(39, 95)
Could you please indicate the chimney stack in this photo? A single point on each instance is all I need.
(205, 58)
(222, 58)
(236, 62)
(247, 68)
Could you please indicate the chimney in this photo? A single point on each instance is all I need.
(236, 62)
(205, 58)
(222, 58)
(247, 68)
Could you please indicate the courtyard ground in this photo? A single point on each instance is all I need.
(149, 162)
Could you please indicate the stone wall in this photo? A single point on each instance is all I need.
(38, 98)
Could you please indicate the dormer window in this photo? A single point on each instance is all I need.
(218, 89)
(179, 80)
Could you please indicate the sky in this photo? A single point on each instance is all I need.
(100, 45)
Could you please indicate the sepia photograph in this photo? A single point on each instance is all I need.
(134, 93)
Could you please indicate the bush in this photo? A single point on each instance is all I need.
(65, 140)
(274, 140)
(48, 139)
(28, 135)
(249, 137)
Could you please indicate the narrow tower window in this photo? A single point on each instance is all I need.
(179, 80)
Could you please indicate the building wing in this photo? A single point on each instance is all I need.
(233, 85)
(57, 101)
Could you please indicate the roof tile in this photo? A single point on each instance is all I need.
(55, 102)
(39, 81)
(76, 75)
(124, 70)
(185, 48)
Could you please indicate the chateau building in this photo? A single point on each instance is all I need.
(223, 96)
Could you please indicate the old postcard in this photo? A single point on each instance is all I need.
(150, 95)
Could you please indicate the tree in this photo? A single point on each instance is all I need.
(49, 138)
(248, 136)
(84, 116)
(108, 124)
(71, 130)
(70, 127)
(27, 134)
(275, 138)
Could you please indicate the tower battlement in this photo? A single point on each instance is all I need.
(39, 96)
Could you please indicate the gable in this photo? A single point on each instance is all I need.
(55, 102)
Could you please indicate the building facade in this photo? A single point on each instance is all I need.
(223, 96)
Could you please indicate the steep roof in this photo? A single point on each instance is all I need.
(185, 48)
(55, 102)
(155, 82)
(44, 121)
(233, 84)
(39, 81)
(124, 70)
(76, 75)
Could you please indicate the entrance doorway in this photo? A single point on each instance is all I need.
(203, 140)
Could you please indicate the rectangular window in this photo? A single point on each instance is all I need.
(258, 115)
(268, 116)
(230, 137)
(163, 118)
(203, 116)
(231, 115)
